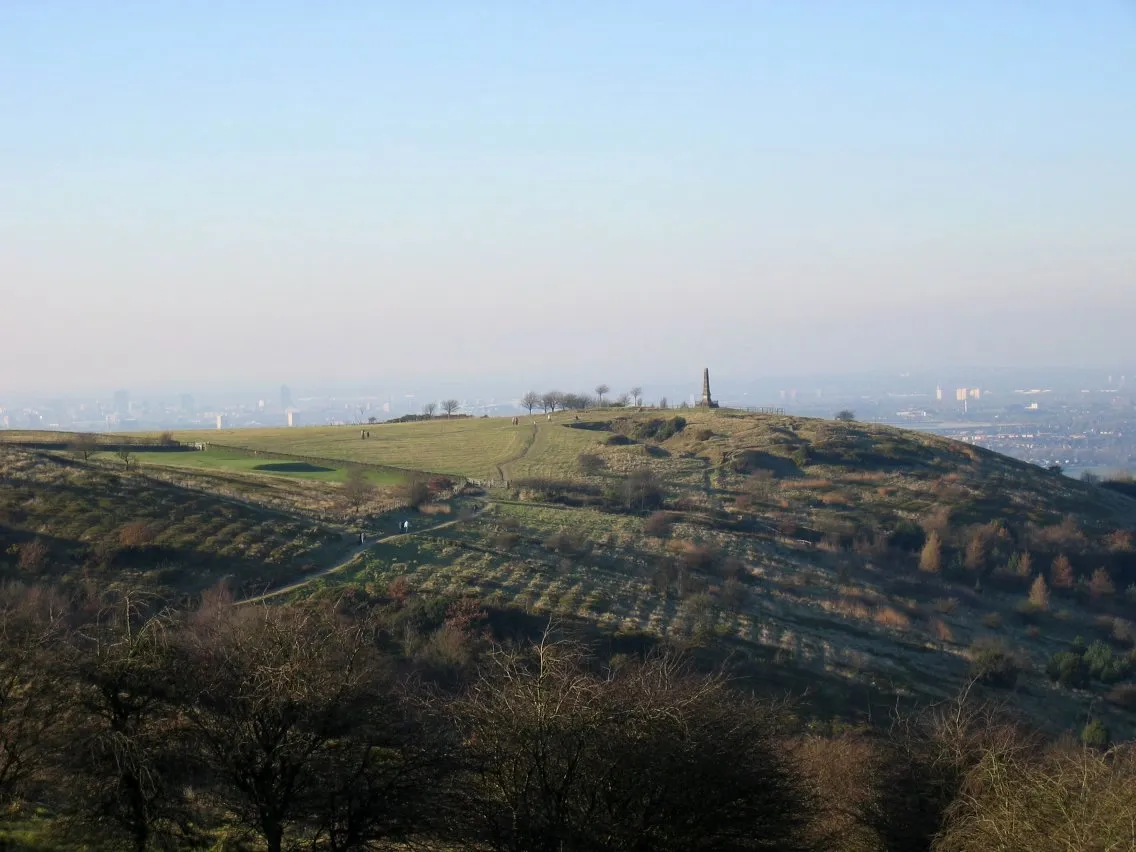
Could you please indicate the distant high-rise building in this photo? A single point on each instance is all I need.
(975, 393)
(220, 421)
(285, 397)
(290, 421)
(938, 393)
(187, 404)
(960, 394)
(122, 402)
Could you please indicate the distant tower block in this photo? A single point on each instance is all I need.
(219, 417)
(707, 401)
(290, 423)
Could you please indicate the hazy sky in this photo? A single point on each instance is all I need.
(287, 191)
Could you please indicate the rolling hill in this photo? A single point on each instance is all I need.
(791, 541)
(853, 562)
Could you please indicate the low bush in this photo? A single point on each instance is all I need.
(993, 664)
(1068, 669)
(659, 429)
(657, 524)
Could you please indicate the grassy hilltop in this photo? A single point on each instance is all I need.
(798, 541)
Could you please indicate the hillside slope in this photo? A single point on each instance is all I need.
(66, 522)
(798, 542)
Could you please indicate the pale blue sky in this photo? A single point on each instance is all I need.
(286, 191)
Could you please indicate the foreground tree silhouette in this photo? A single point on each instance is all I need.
(301, 730)
(31, 627)
(126, 767)
(651, 757)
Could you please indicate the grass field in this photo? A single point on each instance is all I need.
(243, 462)
(483, 448)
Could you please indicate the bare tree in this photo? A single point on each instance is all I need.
(299, 727)
(84, 445)
(31, 689)
(125, 453)
(430, 409)
(637, 395)
(647, 757)
(663, 403)
(166, 439)
(846, 415)
(601, 389)
(414, 491)
(530, 400)
(552, 400)
(126, 770)
(450, 406)
(357, 488)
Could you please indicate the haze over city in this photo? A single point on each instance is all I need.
(221, 195)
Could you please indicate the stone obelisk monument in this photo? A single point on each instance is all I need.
(707, 401)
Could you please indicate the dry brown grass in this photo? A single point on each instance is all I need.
(432, 509)
(889, 616)
(941, 630)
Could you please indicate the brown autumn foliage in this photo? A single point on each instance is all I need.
(658, 524)
(135, 534)
(33, 556)
(1039, 594)
(931, 557)
(1101, 585)
(1061, 573)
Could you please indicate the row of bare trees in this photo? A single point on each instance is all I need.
(309, 726)
(552, 401)
(447, 406)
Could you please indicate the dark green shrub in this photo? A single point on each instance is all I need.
(908, 536)
(659, 429)
(1095, 735)
(1068, 669)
